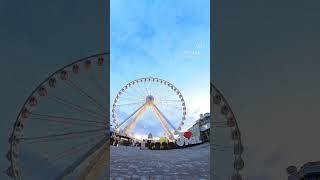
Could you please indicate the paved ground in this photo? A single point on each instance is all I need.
(133, 163)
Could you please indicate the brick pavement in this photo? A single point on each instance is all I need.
(133, 163)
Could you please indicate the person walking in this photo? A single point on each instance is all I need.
(116, 141)
(142, 146)
(112, 140)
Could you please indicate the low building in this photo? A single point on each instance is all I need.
(309, 171)
(195, 129)
(204, 125)
(201, 128)
(204, 121)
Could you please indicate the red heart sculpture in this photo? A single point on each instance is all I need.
(187, 134)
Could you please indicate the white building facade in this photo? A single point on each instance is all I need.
(201, 128)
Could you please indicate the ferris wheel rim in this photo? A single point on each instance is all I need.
(228, 105)
(149, 79)
(13, 160)
(237, 157)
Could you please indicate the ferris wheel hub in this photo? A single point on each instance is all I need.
(149, 99)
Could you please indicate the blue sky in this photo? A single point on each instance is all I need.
(165, 39)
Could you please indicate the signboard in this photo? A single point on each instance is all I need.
(186, 138)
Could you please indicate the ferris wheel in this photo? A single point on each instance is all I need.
(145, 104)
(60, 131)
(227, 146)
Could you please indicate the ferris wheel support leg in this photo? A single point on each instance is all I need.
(134, 122)
(131, 115)
(162, 122)
(165, 118)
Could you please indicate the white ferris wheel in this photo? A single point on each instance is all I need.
(145, 104)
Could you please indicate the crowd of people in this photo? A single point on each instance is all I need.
(114, 140)
(118, 140)
(144, 144)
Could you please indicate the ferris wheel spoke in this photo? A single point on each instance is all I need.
(175, 105)
(155, 90)
(66, 122)
(146, 88)
(178, 105)
(69, 118)
(63, 135)
(170, 107)
(170, 100)
(130, 99)
(143, 86)
(77, 107)
(71, 151)
(158, 97)
(165, 100)
(166, 96)
(128, 104)
(142, 94)
(161, 93)
(150, 88)
(64, 139)
(85, 94)
(167, 109)
(132, 95)
(145, 94)
(141, 90)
